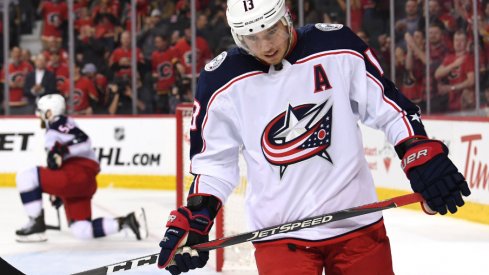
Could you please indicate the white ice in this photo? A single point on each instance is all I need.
(421, 244)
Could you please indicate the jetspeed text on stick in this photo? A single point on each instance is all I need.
(290, 227)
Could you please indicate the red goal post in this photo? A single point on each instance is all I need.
(231, 219)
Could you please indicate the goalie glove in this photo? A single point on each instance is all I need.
(433, 175)
(187, 226)
(55, 155)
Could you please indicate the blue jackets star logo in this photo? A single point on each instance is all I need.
(297, 134)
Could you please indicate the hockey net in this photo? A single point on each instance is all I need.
(231, 219)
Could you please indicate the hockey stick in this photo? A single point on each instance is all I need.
(267, 232)
(55, 227)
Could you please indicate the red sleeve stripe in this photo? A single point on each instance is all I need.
(321, 54)
(371, 58)
(393, 104)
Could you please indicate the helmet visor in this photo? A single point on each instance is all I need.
(266, 40)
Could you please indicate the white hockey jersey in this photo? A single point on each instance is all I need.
(65, 131)
(297, 128)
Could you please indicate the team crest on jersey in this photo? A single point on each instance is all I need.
(297, 134)
(216, 62)
(325, 27)
(53, 18)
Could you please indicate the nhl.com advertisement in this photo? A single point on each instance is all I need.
(126, 146)
(141, 152)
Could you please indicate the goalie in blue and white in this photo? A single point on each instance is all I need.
(292, 99)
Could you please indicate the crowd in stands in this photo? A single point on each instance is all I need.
(102, 75)
(451, 54)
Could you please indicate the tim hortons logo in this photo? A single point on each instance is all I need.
(476, 171)
(387, 163)
(387, 154)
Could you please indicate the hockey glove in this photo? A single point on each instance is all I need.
(433, 175)
(55, 201)
(55, 155)
(188, 226)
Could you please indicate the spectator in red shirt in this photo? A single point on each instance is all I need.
(54, 13)
(164, 61)
(100, 81)
(54, 46)
(25, 55)
(456, 75)
(84, 93)
(120, 60)
(184, 50)
(108, 93)
(142, 11)
(105, 15)
(18, 70)
(414, 85)
(106, 8)
(60, 70)
(78, 5)
(182, 7)
(83, 19)
(436, 11)
(90, 49)
(438, 50)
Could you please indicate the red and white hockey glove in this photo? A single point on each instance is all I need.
(187, 226)
(55, 155)
(433, 175)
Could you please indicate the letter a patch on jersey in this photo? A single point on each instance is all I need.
(321, 82)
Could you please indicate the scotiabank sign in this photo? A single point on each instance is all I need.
(468, 142)
(15, 141)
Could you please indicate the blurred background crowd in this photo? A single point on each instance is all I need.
(435, 51)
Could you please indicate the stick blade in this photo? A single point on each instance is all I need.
(96, 271)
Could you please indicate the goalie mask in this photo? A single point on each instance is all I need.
(254, 23)
(49, 107)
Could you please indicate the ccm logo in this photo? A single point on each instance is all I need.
(413, 157)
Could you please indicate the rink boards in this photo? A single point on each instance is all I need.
(139, 152)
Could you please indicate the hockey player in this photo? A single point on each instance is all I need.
(70, 175)
(291, 99)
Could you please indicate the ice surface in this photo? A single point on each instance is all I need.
(421, 244)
